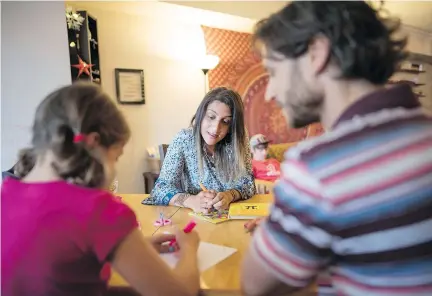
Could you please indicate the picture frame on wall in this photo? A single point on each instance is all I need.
(130, 86)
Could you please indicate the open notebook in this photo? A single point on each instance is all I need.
(208, 255)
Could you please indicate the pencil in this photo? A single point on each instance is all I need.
(203, 187)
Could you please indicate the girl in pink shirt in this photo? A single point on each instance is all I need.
(59, 224)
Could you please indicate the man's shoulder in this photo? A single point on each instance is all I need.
(357, 135)
(310, 150)
(338, 166)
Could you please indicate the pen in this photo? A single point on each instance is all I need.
(188, 228)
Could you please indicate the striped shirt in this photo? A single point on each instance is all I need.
(357, 203)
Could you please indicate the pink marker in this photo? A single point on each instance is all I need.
(188, 228)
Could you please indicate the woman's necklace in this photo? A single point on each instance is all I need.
(210, 158)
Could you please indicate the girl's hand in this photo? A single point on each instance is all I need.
(222, 200)
(188, 243)
(159, 242)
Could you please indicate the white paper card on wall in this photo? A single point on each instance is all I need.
(208, 255)
(130, 89)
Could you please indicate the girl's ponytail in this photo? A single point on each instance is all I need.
(78, 109)
(74, 161)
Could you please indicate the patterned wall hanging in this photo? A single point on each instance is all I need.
(240, 68)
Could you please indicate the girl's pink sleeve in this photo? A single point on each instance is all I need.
(111, 222)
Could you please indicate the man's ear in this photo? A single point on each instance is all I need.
(319, 53)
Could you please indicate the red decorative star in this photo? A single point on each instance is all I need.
(82, 67)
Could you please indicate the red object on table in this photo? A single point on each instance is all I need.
(188, 228)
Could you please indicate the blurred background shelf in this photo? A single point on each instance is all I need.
(84, 44)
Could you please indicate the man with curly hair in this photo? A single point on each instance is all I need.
(356, 201)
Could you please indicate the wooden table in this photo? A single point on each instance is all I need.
(146, 215)
(225, 276)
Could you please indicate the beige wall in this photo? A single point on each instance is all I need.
(173, 87)
(34, 61)
(421, 42)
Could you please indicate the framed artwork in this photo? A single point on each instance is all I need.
(130, 86)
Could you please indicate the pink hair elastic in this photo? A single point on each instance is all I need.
(78, 138)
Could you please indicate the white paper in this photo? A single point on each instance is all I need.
(208, 255)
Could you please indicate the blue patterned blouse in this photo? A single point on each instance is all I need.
(180, 173)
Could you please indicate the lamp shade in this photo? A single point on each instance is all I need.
(209, 62)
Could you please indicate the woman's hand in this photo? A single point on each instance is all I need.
(159, 241)
(202, 202)
(222, 200)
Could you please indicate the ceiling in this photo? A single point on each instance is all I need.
(412, 13)
(163, 11)
(249, 9)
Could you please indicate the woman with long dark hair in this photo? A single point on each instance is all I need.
(208, 165)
